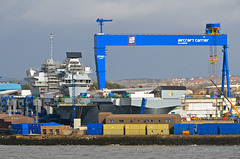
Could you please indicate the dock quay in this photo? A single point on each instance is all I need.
(121, 140)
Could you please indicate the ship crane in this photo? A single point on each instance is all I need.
(100, 21)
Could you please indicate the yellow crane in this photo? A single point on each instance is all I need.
(238, 114)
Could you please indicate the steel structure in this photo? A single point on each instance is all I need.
(210, 38)
(232, 106)
(100, 21)
(73, 99)
(143, 105)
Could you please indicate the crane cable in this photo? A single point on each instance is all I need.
(213, 68)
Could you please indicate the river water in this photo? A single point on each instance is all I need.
(121, 152)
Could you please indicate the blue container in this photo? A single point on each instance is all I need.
(235, 125)
(94, 128)
(95, 125)
(29, 128)
(24, 132)
(179, 128)
(25, 126)
(212, 132)
(35, 128)
(208, 126)
(20, 128)
(238, 131)
(184, 126)
(13, 126)
(191, 132)
(224, 131)
(233, 131)
(229, 128)
(201, 132)
(208, 129)
(177, 132)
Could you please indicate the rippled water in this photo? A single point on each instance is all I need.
(115, 151)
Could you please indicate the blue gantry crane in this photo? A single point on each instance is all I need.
(212, 37)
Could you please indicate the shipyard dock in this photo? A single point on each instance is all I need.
(121, 140)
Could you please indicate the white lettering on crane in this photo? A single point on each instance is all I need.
(186, 41)
(100, 57)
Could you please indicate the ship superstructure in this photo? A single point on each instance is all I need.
(75, 73)
(58, 78)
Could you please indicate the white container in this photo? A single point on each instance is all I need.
(77, 123)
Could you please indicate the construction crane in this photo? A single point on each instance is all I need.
(233, 106)
(100, 21)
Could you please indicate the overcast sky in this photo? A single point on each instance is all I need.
(26, 26)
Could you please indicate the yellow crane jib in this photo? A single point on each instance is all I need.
(238, 113)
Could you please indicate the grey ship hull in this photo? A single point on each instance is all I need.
(89, 113)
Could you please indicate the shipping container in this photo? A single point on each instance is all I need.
(180, 128)
(229, 129)
(158, 126)
(113, 129)
(157, 129)
(20, 128)
(157, 132)
(31, 128)
(135, 129)
(208, 129)
(94, 128)
(184, 126)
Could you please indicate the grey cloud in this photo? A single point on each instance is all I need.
(26, 25)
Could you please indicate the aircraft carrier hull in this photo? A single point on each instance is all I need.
(89, 114)
(161, 101)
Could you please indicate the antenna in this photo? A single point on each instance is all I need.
(51, 42)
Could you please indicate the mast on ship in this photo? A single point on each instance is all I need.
(53, 80)
(51, 44)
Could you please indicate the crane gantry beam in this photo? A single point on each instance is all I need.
(101, 41)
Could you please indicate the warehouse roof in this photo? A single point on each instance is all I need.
(10, 86)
